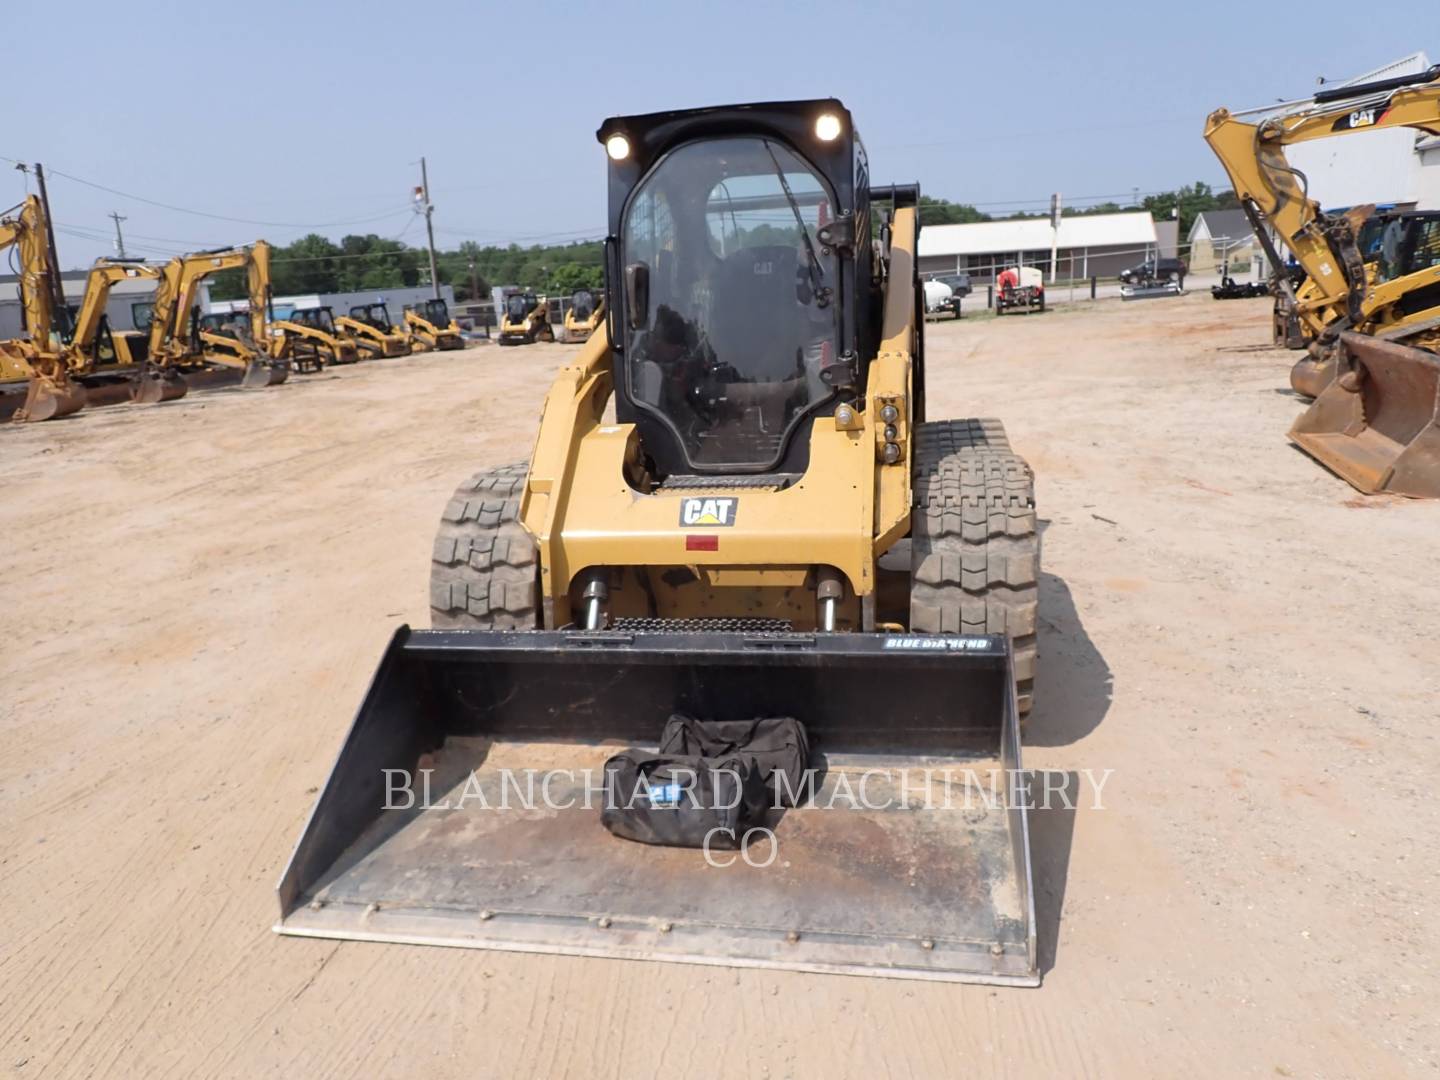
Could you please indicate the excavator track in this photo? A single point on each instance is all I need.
(975, 551)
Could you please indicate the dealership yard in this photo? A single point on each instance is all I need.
(194, 596)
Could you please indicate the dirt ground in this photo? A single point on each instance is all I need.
(194, 596)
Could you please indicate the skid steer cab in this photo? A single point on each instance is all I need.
(736, 509)
(584, 315)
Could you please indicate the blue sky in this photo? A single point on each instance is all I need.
(262, 111)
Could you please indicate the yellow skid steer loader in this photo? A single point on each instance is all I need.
(430, 326)
(369, 326)
(769, 526)
(586, 313)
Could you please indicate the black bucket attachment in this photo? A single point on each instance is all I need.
(464, 807)
(1377, 425)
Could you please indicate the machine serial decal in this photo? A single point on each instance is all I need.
(952, 643)
(708, 512)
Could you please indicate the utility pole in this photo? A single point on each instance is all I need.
(116, 216)
(1055, 213)
(422, 198)
(57, 288)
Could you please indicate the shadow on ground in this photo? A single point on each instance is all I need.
(1073, 682)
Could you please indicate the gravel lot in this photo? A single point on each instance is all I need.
(195, 594)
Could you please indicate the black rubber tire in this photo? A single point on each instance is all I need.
(484, 570)
(974, 547)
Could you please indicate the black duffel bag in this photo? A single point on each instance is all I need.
(682, 800)
(777, 745)
(709, 782)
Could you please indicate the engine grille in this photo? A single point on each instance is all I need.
(703, 626)
(758, 482)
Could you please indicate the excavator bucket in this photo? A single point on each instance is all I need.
(46, 399)
(1309, 377)
(155, 385)
(464, 807)
(260, 373)
(1377, 425)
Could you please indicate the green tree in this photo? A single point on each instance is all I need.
(942, 212)
(1192, 200)
(306, 266)
(568, 277)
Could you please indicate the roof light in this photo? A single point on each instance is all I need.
(827, 127)
(618, 147)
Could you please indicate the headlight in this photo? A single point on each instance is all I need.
(618, 147)
(827, 127)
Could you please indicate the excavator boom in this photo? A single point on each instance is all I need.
(51, 392)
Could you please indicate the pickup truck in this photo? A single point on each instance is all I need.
(1156, 272)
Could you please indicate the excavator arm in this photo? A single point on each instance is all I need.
(80, 353)
(169, 340)
(51, 391)
(1253, 154)
(25, 230)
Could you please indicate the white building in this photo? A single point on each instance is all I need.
(125, 297)
(1099, 245)
(1397, 167)
(395, 301)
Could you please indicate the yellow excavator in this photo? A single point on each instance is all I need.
(310, 339)
(50, 391)
(177, 341)
(243, 339)
(587, 312)
(1379, 233)
(1374, 363)
(369, 326)
(93, 348)
(736, 509)
(526, 319)
(430, 326)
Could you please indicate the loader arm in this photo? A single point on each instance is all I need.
(1253, 154)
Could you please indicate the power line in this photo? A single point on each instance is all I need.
(224, 217)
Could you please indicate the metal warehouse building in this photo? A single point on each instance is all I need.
(1099, 245)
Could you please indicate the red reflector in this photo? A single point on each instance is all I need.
(695, 542)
